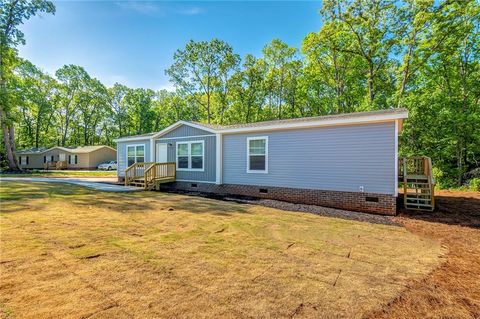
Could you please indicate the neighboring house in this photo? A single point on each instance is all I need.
(80, 157)
(346, 161)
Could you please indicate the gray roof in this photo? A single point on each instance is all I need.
(33, 150)
(356, 115)
(70, 149)
(139, 135)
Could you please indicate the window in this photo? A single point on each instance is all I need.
(135, 154)
(52, 158)
(75, 159)
(23, 160)
(190, 156)
(44, 159)
(257, 155)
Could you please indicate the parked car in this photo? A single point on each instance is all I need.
(108, 166)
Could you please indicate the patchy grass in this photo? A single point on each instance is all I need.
(72, 252)
(64, 173)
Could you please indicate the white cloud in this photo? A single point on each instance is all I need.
(151, 7)
(143, 7)
(190, 11)
(166, 86)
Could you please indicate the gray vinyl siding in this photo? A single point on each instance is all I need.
(122, 154)
(185, 130)
(340, 158)
(209, 173)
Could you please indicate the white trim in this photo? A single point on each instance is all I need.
(178, 124)
(319, 123)
(153, 150)
(254, 138)
(193, 181)
(396, 160)
(134, 145)
(357, 119)
(182, 137)
(189, 143)
(218, 158)
(133, 138)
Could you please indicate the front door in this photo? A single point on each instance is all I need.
(162, 150)
(62, 157)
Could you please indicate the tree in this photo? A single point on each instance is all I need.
(141, 116)
(118, 107)
(12, 14)
(74, 81)
(200, 69)
(37, 103)
(372, 30)
(248, 91)
(282, 62)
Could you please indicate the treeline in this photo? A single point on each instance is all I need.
(422, 55)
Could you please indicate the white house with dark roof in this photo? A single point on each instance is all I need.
(345, 161)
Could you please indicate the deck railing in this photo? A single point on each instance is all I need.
(147, 173)
(418, 165)
(416, 168)
(159, 171)
(136, 170)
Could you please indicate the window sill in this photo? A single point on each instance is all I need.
(256, 172)
(190, 170)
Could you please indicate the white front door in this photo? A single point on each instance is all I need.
(62, 157)
(162, 150)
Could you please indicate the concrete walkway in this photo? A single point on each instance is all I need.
(101, 184)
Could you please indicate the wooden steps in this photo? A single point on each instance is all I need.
(418, 183)
(150, 175)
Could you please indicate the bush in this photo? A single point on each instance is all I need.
(474, 184)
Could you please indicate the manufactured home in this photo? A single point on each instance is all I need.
(79, 157)
(346, 161)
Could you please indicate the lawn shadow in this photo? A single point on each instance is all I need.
(449, 209)
(18, 196)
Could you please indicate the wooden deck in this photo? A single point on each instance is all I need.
(150, 175)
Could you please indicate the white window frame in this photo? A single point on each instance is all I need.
(135, 145)
(189, 155)
(256, 138)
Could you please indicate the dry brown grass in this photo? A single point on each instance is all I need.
(69, 252)
(453, 289)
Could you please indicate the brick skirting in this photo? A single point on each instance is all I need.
(362, 202)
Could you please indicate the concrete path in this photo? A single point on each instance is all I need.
(101, 184)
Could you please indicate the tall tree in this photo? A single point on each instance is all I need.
(37, 103)
(199, 68)
(281, 61)
(12, 14)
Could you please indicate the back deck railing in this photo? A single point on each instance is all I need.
(418, 183)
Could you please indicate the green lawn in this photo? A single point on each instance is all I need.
(65, 173)
(70, 252)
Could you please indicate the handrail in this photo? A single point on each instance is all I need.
(159, 171)
(415, 165)
(136, 170)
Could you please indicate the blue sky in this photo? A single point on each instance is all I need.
(132, 42)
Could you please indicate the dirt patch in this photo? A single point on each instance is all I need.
(205, 259)
(453, 289)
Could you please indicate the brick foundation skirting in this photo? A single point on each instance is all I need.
(362, 202)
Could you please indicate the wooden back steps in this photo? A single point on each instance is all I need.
(418, 183)
(150, 175)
